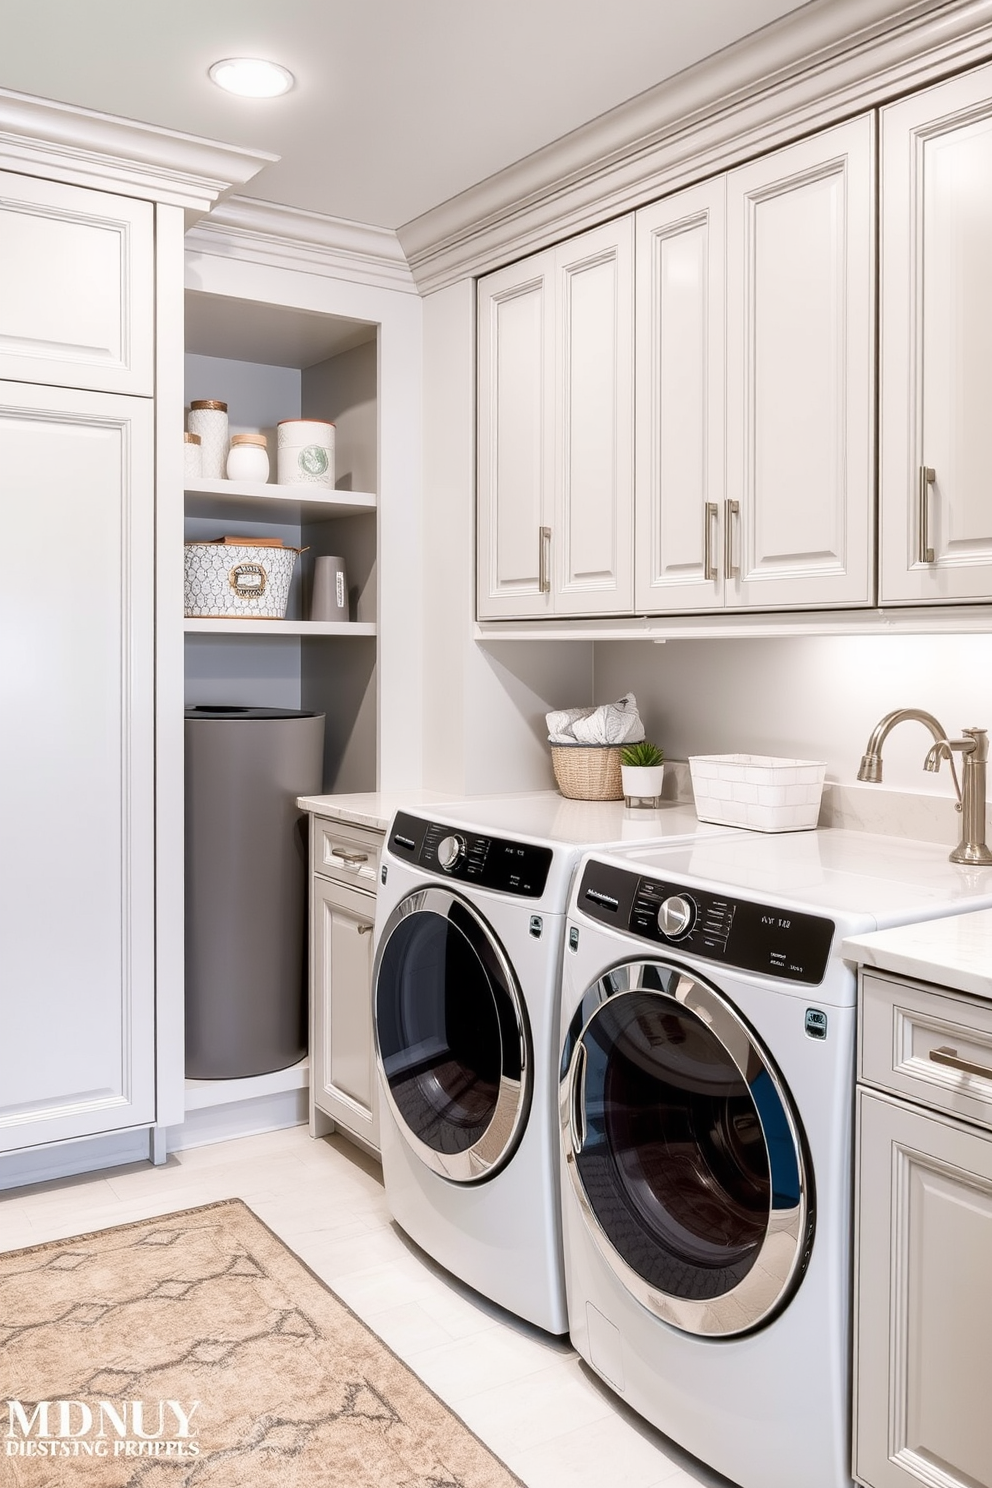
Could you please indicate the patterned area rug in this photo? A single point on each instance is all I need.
(195, 1351)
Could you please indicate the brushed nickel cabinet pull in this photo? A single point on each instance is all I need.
(349, 857)
(732, 510)
(947, 1056)
(927, 477)
(364, 929)
(710, 516)
(544, 561)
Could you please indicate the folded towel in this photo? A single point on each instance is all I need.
(611, 723)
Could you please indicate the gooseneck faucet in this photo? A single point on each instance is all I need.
(974, 750)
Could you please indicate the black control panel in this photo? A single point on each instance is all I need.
(754, 937)
(452, 852)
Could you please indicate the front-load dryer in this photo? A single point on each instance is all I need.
(706, 1098)
(469, 921)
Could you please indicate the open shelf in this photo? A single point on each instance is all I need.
(254, 628)
(268, 502)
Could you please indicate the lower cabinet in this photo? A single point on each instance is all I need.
(924, 1307)
(342, 1055)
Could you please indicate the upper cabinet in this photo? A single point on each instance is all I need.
(753, 384)
(556, 430)
(800, 355)
(77, 268)
(936, 329)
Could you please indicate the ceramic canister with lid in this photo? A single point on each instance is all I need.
(305, 453)
(248, 458)
(192, 457)
(208, 418)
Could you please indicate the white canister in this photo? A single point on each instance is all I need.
(305, 453)
(248, 459)
(208, 418)
(192, 457)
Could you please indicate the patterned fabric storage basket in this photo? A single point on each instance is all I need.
(757, 791)
(238, 579)
(588, 772)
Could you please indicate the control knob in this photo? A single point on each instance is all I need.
(676, 916)
(450, 852)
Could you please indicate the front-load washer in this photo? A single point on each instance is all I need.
(705, 1099)
(469, 921)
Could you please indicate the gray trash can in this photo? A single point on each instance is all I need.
(246, 879)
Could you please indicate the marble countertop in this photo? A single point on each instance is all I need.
(369, 808)
(955, 952)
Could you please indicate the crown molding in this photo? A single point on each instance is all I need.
(287, 237)
(825, 62)
(41, 138)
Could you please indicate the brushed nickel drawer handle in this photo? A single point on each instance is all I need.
(364, 929)
(544, 561)
(733, 512)
(710, 516)
(349, 857)
(947, 1056)
(927, 477)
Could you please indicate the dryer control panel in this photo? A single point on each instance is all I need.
(454, 852)
(762, 938)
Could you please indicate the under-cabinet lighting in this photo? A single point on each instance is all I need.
(251, 77)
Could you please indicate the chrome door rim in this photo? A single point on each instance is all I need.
(785, 1250)
(499, 1140)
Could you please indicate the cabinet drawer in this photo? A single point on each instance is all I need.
(346, 853)
(930, 1045)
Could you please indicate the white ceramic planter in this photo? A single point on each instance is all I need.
(642, 783)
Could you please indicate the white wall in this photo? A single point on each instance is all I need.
(814, 698)
(483, 706)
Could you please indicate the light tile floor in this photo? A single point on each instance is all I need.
(525, 1393)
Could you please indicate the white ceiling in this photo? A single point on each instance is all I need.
(399, 104)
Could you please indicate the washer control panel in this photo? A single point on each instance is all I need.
(492, 862)
(714, 926)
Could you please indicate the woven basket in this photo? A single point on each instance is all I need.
(588, 772)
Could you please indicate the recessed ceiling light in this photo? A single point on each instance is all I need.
(251, 77)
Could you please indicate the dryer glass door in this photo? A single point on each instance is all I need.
(684, 1150)
(451, 1036)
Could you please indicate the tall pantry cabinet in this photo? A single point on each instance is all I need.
(86, 273)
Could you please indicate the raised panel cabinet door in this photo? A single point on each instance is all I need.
(679, 380)
(76, 286)
(516, 454)
(936, 329)
(800, 374)
(592, 539)
(77, 989)
(924, 1306)
(344, 1073)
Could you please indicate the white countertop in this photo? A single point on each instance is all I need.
(369, 808)
(954, 952)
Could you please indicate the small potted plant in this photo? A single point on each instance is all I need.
(642, 769)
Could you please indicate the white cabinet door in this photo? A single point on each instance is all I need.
(679, 372)
(343, 1062)
(592, 537)
(76, 763)
(76, 286)
(800, 298)
(924, 1307)
(516, 450)
(556, 430)
(936, 330)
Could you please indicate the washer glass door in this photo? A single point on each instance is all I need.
(451, 1036)
(684, 1151)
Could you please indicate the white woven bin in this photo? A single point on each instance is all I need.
(757, 791)
(234, 581)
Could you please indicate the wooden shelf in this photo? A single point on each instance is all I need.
(261, 501)
(256, 628)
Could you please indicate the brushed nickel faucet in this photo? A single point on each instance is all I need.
(974, 749)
